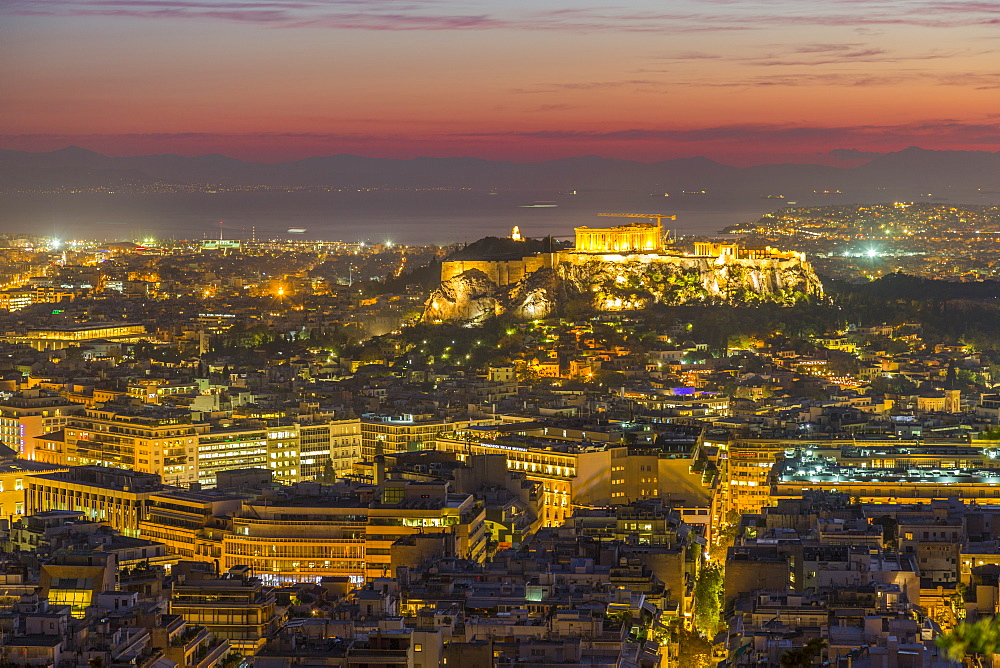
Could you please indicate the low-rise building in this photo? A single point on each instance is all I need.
(237, 608)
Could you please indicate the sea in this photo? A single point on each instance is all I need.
(374, 216)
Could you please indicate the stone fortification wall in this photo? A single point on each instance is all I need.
(501, 272)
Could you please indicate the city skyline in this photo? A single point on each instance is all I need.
(739, 82)
(437, 333)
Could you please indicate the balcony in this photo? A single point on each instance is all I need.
(382, 657)
(211, 655)
(192, 636)
(197, 647)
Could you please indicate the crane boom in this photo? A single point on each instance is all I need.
(652, 216)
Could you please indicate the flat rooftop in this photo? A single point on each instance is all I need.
(818, 471)
(87, 327)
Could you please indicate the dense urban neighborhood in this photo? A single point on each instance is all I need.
(278, 453)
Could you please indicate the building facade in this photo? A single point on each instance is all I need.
(582, 475)
(383, 435)
(150, 440)
(319, 533)
(32, 413)
(117, 497)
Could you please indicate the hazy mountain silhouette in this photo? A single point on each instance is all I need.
(912, 168)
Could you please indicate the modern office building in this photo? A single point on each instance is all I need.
(904, 484)
(57, 338)
(231, 446)
(312, 532)
(117, 497)
(191, 524)
(293, 451)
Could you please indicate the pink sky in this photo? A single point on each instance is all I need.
(738, 81)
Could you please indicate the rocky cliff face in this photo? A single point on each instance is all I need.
(473, 297)
(622, 284)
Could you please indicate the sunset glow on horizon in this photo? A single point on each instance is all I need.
(742, 82)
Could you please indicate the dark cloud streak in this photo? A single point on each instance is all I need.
(435, 15)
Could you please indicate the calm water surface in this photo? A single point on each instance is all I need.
(420, 217)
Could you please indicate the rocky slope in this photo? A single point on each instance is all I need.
(628, 284)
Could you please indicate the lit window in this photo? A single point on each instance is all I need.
(418, 648)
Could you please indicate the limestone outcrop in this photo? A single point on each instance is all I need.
(619, 283)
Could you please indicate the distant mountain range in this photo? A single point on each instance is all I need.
(924, 172)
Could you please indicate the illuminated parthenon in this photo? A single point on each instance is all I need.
(635, 238)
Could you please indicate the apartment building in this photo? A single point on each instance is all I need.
(150, 439)
(586, 473)
(32, 413)
(14, 475)
(236, 607)
(345, 448)
(385, 434)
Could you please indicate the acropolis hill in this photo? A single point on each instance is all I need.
(627, 267)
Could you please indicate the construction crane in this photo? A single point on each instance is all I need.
(658, 217)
